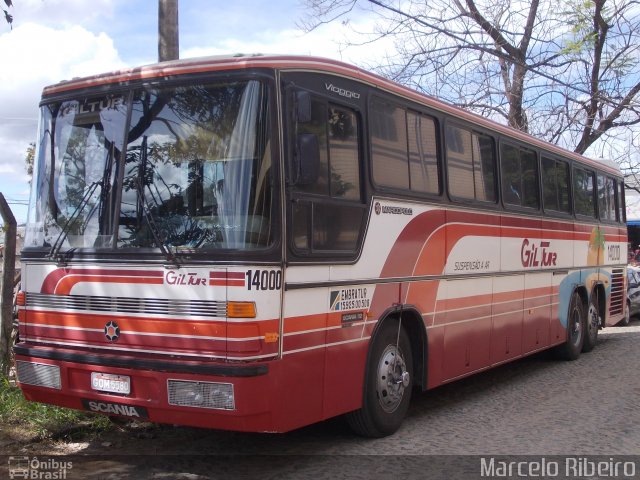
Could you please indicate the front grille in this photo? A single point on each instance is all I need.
(156, 306)
(617, 291)
(39, 374)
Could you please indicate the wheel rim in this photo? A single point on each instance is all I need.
(576, 327)
(392, 379)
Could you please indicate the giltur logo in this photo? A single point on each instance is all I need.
(535, 254)
(189, 278)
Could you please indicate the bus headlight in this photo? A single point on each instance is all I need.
(184, 393)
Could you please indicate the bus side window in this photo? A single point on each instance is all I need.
(621, 217)
(606, 198)
(423, 154)
(583, 192)
(519, 169)
(470, 164)
(555, 185)
(388, 128)
(403, 148)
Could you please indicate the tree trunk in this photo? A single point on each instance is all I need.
(168, 36)
(8, 277)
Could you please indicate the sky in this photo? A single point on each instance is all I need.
(54, 40)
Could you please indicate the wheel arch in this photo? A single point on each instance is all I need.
(413, 323)
(581, 291)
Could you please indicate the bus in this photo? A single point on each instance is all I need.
(261, 242)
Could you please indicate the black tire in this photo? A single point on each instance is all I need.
(576, 325)
(388, 384)
(592, 324)
(626, 320)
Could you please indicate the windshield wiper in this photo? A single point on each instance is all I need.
(165, 249)
(57, 245)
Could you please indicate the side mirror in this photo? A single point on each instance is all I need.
(307, 159)
(303, 107)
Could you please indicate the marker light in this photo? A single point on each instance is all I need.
(241, 309)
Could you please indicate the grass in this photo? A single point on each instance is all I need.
(45, 421)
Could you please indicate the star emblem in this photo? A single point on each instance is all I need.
(112, 331)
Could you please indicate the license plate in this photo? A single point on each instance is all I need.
(107, 382)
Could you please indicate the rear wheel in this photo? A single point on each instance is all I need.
(627, 316)
(576, 326)
(593, 324)
(388, 384)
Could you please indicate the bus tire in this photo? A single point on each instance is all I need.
(576, 325)
(626, 320)
(592, 324)
(388, 384)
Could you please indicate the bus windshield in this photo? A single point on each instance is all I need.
(179, 168)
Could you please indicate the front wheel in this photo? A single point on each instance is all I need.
(388, 384)
(576, 326)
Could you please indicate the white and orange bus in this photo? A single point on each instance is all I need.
(258, 243)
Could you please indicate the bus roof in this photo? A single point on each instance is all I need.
(309, 63)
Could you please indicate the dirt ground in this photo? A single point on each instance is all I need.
(536, 407)
(151, 451)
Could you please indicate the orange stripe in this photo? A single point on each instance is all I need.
(65, 285)
(154, 325)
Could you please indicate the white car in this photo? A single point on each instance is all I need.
(633, 295)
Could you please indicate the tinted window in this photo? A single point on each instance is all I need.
(583, 192)
(519, 177)
(606, 198)
(389, 145)
(344, 169)
(470, 164)
(621, 207)
(555, 185)
(327, 215)
(403, 148)
(317, 126)
(423, 155)
(319, 227)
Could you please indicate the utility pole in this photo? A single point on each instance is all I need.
(8, 277)
(168, 33)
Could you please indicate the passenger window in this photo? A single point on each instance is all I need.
(620, 202)
(583, 192)
(403, 148)
(519, 177)
(389, 145)
(470, 164)
(555, 185)
(423, 154)
(606, 198)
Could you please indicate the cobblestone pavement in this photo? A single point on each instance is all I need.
(536, 406)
